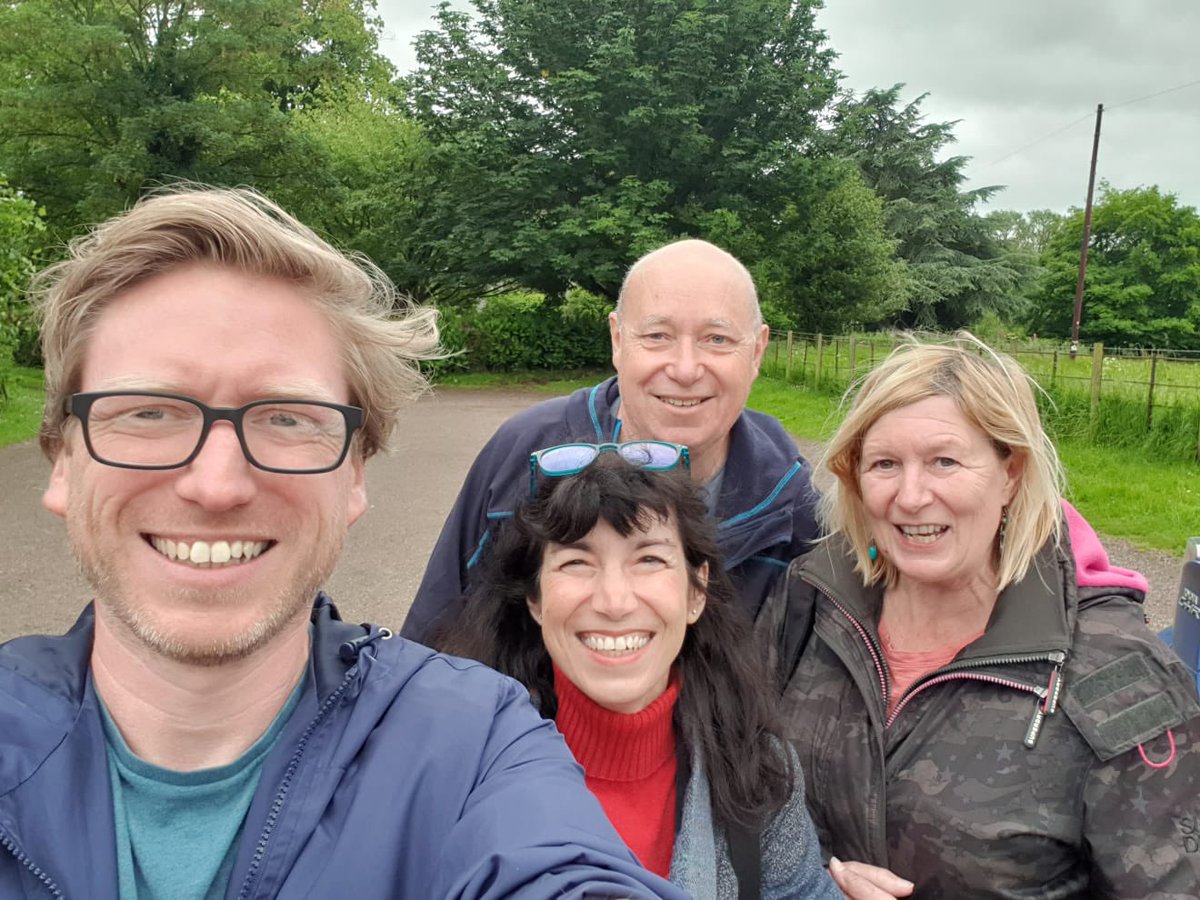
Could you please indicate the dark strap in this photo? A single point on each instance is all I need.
(797, 627)
(745, 852)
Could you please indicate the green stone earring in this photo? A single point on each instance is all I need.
(872, 552)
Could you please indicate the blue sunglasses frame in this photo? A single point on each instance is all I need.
(627, 450)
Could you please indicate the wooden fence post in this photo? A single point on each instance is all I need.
(853, 358)
(1150, 393)
(820, 357)
(787, 371)
(1054, 369)
(1097, 375)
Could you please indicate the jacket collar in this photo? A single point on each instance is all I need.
(1035, 615)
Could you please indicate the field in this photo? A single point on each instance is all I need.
(1148, 400)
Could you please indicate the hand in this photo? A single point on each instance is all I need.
(859, 881)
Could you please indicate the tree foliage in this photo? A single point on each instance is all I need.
(1023, 232)
(103, 100)
(1143, 272)
(956, 271)
(22, 241)
(368, 190)
(570, 136)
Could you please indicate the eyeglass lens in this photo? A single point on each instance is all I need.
(158, 431)
(570, 458)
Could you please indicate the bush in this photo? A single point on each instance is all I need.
(453, 340)
(523, 330)
(22, 238)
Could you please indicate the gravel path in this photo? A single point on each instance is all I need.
(410, 493)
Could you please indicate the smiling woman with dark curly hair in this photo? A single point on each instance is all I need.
(605, 597)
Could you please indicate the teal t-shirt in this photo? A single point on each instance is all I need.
(177, 832)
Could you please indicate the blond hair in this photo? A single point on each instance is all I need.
(382, 335)
(995, 395)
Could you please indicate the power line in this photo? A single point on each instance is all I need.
(1178, 87)
(1085, 117)
(1044, 137)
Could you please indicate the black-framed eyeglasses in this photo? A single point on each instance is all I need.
(154, 430)
(570, 459)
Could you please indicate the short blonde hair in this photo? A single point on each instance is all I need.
(996, 396)
(382, 335)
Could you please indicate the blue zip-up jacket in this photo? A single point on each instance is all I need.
(766, 511)
(401, 774)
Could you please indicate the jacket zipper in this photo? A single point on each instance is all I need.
(11, 846)
(1047, 697)
(873, 647)
(264, 839)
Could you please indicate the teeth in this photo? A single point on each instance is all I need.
(670, 401)
(922, 534)
(624, 643)
(206, 555)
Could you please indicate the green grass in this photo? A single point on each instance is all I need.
(1152, 503)
(807, 414)
(21, 412)
(541, 382)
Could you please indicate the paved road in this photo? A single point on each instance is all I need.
(410, 493)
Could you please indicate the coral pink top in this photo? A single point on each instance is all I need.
(906, 666)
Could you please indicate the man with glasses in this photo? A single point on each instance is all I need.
(687, 341)
(216, 378)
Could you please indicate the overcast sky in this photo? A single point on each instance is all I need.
(1021, 77)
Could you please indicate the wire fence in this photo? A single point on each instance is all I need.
(1128, 397)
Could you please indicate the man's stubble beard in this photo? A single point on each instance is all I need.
(289, 603)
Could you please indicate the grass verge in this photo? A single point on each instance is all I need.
(20, 404)
(541, 382)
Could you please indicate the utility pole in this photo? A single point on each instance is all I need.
(1087, 237)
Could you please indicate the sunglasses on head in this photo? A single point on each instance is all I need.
(570, 459)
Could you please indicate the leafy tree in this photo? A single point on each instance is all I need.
(570, 136)
(957, 272)
(1023, 232)
(368, 190)
(1143, 273)
(102, 100)
(22, 240)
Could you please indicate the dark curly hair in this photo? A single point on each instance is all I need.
(725, 708)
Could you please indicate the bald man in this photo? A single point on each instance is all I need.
(687, 342)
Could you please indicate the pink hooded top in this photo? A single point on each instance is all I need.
(1092, 567)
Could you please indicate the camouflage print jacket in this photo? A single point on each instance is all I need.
(1024, 768)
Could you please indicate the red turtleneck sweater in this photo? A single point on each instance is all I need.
(629, 764)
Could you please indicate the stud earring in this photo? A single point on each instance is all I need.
(872, 552)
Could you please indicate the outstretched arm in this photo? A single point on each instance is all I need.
(549, 836)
